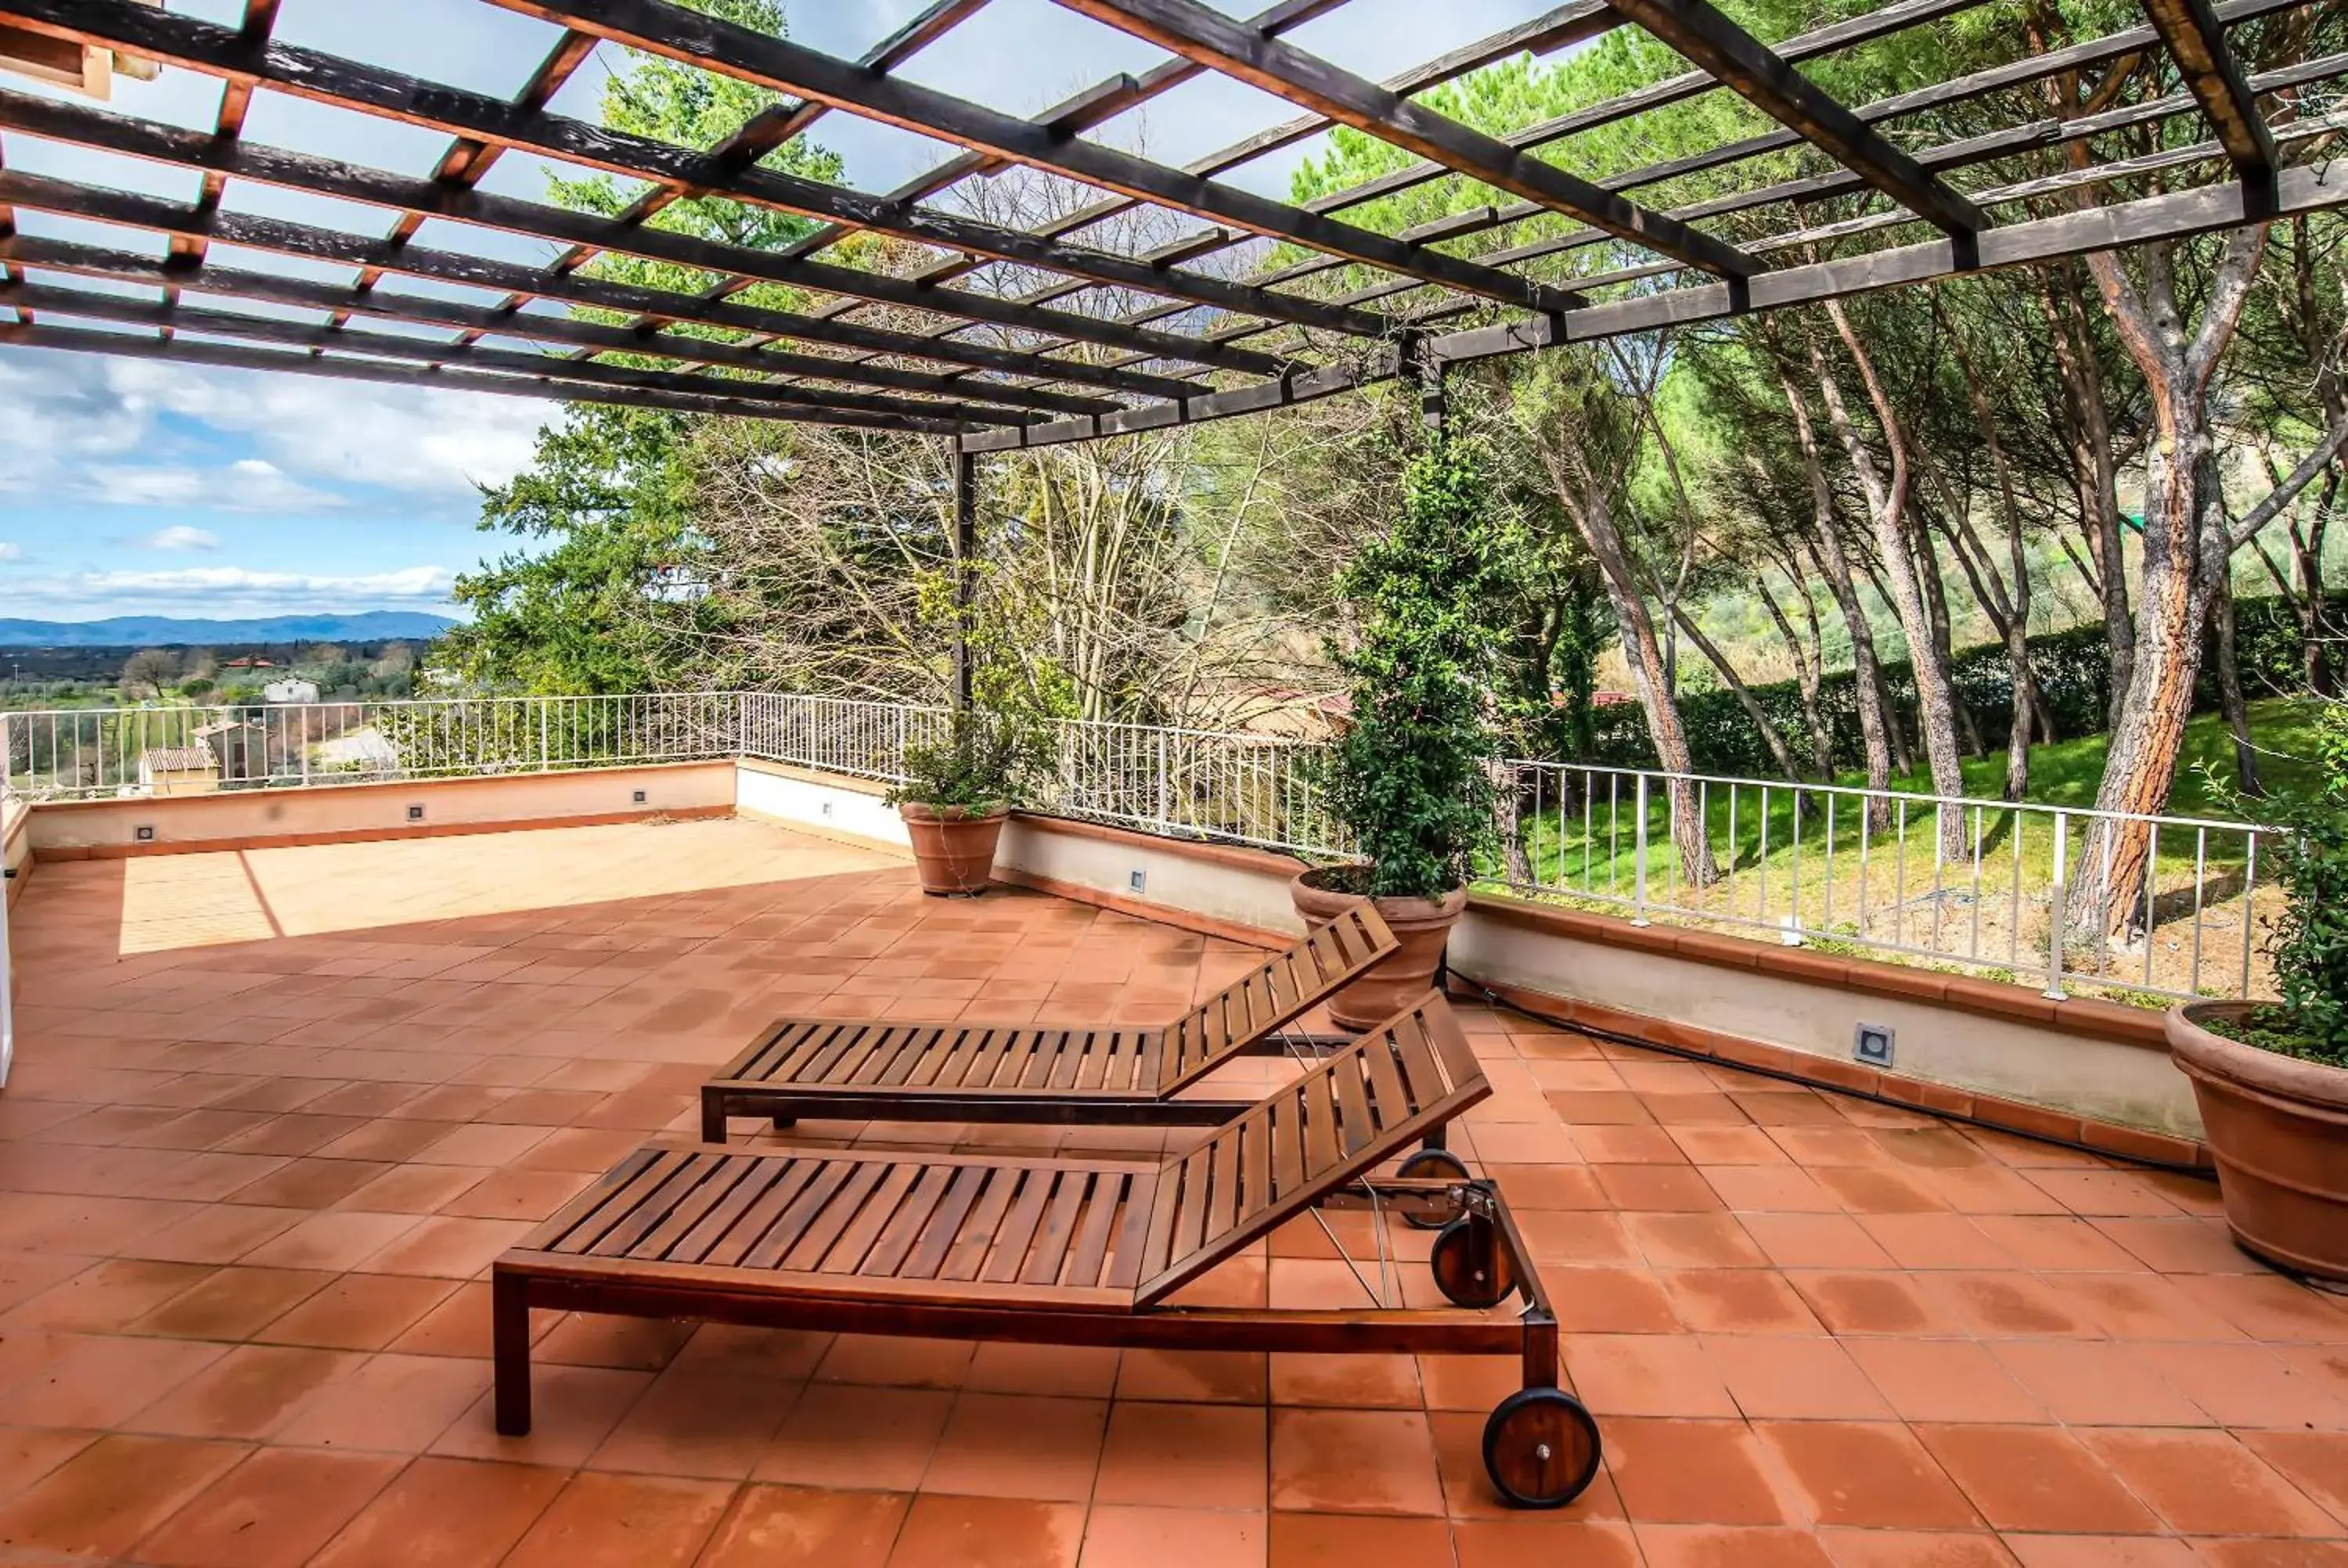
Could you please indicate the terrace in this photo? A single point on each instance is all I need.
(276, 1109)
(1878, 1227)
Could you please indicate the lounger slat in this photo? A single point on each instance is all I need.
(1131, 1260)
(1388, 1097)
(1058, 1232)
(1427, 1082)
(935, 1060)
(656, 1188)
(722, 1239)
(895, 1244)
(787, 1227)
(1224, 1197)
(593, 1206)
(1090, 1250)
(968, 1254)
(1318, 1090)
(1287, 1145)
(716, 1189)
(1009, 1250)
(873, 1217)
(1355, 1127)
(938, 1235)
(806, 1254)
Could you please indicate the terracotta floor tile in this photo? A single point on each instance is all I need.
(1691, 1472)
(1772, 1375)
(576, 1408)
(415, 1189)
(2091, 1384)
(2249, 1386)
(2316, 1463)
(337, 1239)
(1015, 1445)
(1213, 1377)
(97, 1382)
(273, 1511)
(844, 1435)
(1729, 1546)
(234, 1303)
(1610, 1301)
(388, 1403)
(2101, 1551)
(989, 1533)
(1693, 1241)
(2009, 1304)
(456, 1513)
(1350, 1541)
(2273, 1554)
(1183, 1456)
(1521, 1540)
(247, 1393)
(2208, 1483)
(517, 1193)
(1872, 1474)
(26, 1454)
(109, 1495)
(2036, 1478)
(595, 1339)
(1914, 1549)
(1123, 1537)
(106, 1297)
(1638, 1189)
(447, 1247)
(1943, 1380)
(1353, 1461)
(896, 1362)
(1646, 1374)
(1738, 1301)
(359, 1312)
(800, 1527)
(1352, 1382)
(600, 1520)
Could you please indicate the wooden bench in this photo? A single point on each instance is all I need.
(1074, 1251)
(967, 1071)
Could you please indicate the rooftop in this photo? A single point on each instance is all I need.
(276, 1110)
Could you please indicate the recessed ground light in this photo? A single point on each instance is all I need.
(1873, 1044)
(640, 797)
(416, 813)
(144, 835)
(1139, 879)
(826, 808)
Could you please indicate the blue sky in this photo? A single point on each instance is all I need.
(136, 487)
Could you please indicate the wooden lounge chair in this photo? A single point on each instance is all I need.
(1073, 1251)
(967, 1071)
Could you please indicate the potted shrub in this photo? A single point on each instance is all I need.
(960, 788)
(1408, 778)
(2271, 1078)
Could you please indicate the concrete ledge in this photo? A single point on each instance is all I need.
(253, 819)
(2033, 1061)
(2012, 1115)
(1221, 889)
(828, 805)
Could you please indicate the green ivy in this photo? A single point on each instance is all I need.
(999, 748)
(1409, 778)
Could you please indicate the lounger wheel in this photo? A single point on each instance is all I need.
(1431, 1165)
(1541, 1447)
(1471, 1267)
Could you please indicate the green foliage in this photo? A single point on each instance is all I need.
(603, 594)
(2308, 943)
(1408, 778)
(995, 750)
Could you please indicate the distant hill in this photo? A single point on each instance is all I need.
(156, 631)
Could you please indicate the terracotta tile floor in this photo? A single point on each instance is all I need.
(275, 1113)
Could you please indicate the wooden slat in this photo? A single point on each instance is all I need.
(1059, 1232)
(824, 1224)
(725, 1236)
(728, 1176)
(937, 1237)
(970, 1245)
(1090, 1251)
(786, 1228)
(872, 1218)
(648, 1196)
(1354, 1105)
(1010, 1245)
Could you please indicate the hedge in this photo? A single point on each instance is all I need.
(2073, 667)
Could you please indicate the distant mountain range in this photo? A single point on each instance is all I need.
(151, 631)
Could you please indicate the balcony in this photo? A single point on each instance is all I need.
(277, 1104)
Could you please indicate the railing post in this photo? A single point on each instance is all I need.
(1165, 790)
(1638, 859)
(2058, 917)
(545, 743)
(304, 708)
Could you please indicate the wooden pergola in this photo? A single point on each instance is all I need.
(1026, 336)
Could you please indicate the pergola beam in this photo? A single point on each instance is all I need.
(429, 352)
(297, 239)
(472, 321)
(2196, 39)
(82, 340)
(1738, 60)
(658, 28)
(352, 85)
(281, 167)
(1198, 33)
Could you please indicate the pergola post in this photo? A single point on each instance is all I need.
(1425, 368)
(966, 567)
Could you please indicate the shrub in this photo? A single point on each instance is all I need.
(2308, 943)
(1408, 777)
(1004, 742)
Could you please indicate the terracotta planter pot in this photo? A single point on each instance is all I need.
(2279, 1130)
(953, 846)
(1421, 925)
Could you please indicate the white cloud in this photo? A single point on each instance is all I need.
(11, 551)
(80, 427)
(179, 536)
(224, 590)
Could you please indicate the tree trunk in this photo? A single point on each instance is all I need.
(1771, 736)
(1834, 566)
(1888, 500)
(2229, 695)
(1808, 662)
(2187, 552)
(2095, 472)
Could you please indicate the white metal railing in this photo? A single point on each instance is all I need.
(1875, 871)
(1824, 865)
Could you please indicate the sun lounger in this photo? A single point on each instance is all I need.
(976, 1071)
(1074, 1251)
